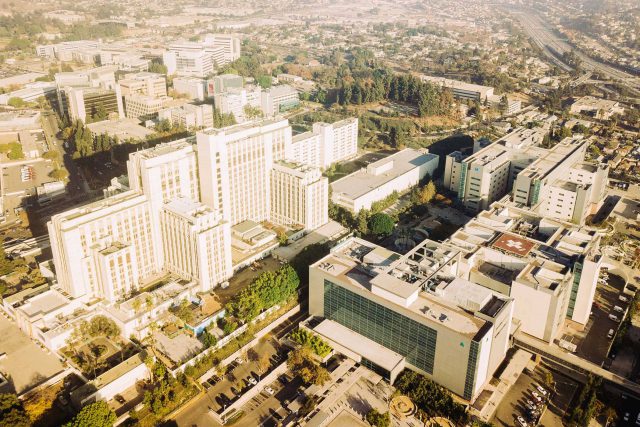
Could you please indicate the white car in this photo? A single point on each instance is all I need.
(536, 396)
(618, 309)
(269, 390)
(522, 422)
(614, 318)
(239, 360)
(541, 390)
(623, 298)
(252, 381)
(626, 416)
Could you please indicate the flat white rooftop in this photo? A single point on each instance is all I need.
(362, 182)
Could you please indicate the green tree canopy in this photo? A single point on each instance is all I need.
(381, 224)
(97, 414)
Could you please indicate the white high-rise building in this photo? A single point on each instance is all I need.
(326, 144)
(105, 249)
(200, 59)
(196, 241)
(144, 83)
(235, 167)
(299, 196)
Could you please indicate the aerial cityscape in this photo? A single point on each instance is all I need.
(320, 213)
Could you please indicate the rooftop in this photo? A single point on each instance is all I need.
(123, 129)
(359, 344)
(380, 172)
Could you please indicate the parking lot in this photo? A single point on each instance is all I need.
(242, 374)
(521, 397)
(593, 343)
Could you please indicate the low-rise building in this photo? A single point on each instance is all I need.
(279, 99)
(397, 172)
(596, 107)
(193, 87)
(190, 116)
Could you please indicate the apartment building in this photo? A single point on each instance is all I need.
(390, 311)
(299, 196)
(326, 144)
(84, 94)
(201, 59)
(397, 172)
(143, 107)
(279, 99)
(144, 83)
(235, 167)
(190, 116)
(236, 101)
(193, 87)
(196, 242)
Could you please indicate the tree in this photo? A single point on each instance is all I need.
(381, 224)
(264, 81)
(208, 339)
(301, 362)
(52, 155)
(11, 411)
(426, 193)
(59, 174)
(377, 419)
(263, 364)
(184, 312)
(610, 415)
(157, 67)
(97, 414)
(362, 221)
(16, 102)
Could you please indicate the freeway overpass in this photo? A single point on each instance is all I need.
(543, 35)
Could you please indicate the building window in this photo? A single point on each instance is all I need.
(413, 340)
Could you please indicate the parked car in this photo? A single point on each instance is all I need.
(119, 399)
(269, 390)
(521, 421)
(626, 416)
(239, 360)
(610, 333)
(536, 396)
(252, 381)
(618, 309)
(623, 298)
(542, 390)
(614, 318)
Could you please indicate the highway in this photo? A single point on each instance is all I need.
(543, 35)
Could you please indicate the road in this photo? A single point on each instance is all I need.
(543, 35)
(77, 183)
